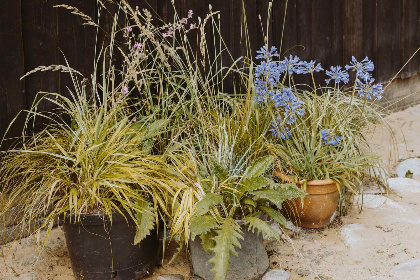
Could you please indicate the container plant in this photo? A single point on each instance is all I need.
(318, 133)
(230, 171)
(96, 172)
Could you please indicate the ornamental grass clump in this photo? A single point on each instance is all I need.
(319, 133)
(94, 155)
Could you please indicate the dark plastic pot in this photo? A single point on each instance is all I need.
(250, 264)
(99, 251)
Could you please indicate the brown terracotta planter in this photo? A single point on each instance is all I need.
(318, 206)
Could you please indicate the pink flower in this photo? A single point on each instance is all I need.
(137, 46)
(127, 31)
(135, 119)
(193, 26)
(190, 13)
(125, 90)
(184, 20)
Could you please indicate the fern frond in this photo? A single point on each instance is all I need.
(289, 191)
(255, 183)
(259, 167)
(275, 215)
(201, 225)
(208, 202)
(262, 227)
(270, 195)
(145, 220)
(207, 241)
(226, 240)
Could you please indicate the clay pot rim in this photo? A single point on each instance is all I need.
(316, 182)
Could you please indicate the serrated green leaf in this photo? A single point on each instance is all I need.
(249, 201)
(201, 225)
(207, 241)
(227, 239)
(145, 220)
(275, 215)
(272, 196)
(262, 227)
(290, 191)
(255, 183)
(221, 173)
(208, 202)
(259, 167)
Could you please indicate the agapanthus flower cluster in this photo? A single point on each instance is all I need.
(290, 103)
(304, 67)
(270, 89)
(278, 131)
(369, 90)
(329, 140)
(338, 75)
(362, 68)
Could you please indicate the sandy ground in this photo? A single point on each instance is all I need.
(381, 242)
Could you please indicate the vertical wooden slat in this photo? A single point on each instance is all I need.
(304, 28)
(12, 96)
(369, 31)
(383, 50)
(337, 35)
(290, 38)
(76, 41)
(395, 34)
(321, 35)
(304, 35)
(409, 42)
(263, 17)
(39, 20)
(251, 24)
(352, 29)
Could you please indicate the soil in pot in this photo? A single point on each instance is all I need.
(251, 263)
(318, 206)
(99, 251)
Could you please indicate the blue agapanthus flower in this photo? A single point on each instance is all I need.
(304, 67)
(290, 103)
(362, 68)
(329, 140)
(291, 64)
(267, 74)
(338, 75)
(283, 133)
(264, 53)
(368, 89)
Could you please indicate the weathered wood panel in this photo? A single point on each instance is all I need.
(33, 33)
(39, 26)
(12, 95)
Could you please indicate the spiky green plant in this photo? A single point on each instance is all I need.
(230, 172)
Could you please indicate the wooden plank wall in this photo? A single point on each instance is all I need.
(34, 33)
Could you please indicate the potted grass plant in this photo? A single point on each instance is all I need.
(318, 134)
(97, 174)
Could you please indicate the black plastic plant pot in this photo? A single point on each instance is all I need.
(99, 251)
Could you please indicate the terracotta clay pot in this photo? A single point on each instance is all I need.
(318, 206)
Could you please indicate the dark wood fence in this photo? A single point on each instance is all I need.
(33, 33)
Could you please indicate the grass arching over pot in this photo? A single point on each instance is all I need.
(102, 161)
(320, 132)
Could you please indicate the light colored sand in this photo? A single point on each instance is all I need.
(381, 242)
